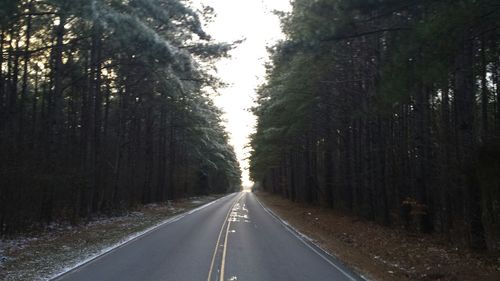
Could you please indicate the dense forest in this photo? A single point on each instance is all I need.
(388, 110)
(106, 104)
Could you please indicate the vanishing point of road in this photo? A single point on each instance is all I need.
(234, 238)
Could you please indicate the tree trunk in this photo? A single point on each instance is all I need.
(56, 103)
(2, 87)
(22, 100)
(484, 92)
(465, 98)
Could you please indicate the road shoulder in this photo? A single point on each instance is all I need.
(381, 253)
(42, 256)
(327, 256)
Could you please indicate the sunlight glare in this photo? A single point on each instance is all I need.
(255, 22)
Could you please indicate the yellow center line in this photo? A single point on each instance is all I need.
(218, 239)
(223, 262)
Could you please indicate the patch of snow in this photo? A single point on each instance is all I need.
(93, 255)
(175, 210)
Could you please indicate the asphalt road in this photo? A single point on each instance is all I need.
(234, 238)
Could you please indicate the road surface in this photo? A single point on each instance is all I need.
(234, 239)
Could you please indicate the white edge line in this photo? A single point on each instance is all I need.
(305, 239)
(130, 239)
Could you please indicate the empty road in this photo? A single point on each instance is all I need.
(234, 238)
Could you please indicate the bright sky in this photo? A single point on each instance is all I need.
(254, 21)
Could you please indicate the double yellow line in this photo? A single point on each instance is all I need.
(223, 262)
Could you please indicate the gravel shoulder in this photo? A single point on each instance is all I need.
(40, 256)
(383, 253)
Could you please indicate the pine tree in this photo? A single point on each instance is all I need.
(373, 107)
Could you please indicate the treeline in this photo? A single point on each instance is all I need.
(389, 110)
(105, 105)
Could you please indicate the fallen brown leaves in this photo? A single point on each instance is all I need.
(383, 253)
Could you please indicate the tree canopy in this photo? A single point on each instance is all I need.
(386, 109)
(105, 104)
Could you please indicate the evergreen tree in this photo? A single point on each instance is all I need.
(103, 106)
(384, 108)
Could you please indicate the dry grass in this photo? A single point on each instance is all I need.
(383, 253)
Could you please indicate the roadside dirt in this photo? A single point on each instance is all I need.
(382, 253)
(39, 256)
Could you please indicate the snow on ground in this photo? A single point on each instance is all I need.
(61, 247)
